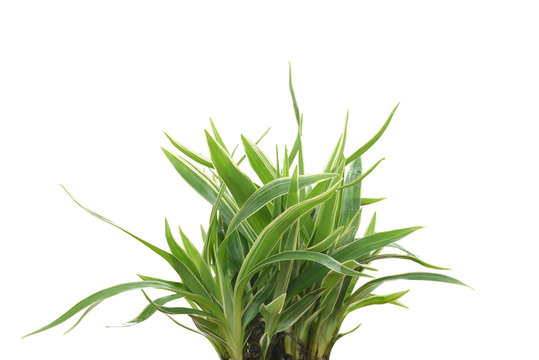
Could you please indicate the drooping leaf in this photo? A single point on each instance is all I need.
(404, 257)
(102, 295)
(352, 251)
(177, 310)
(149, 310)
(376, 300)
(361, 247)
(88, 309)
(370, 286)
(189, 279)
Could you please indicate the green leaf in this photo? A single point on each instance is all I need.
(217, 136)
(328, 241)
(208, 189)
(100, 296)
(259, 161)
(88, 309)
(175, 284)
(352, 251)
(397, 246)
(203, 301)
(211, 239)
(294, 102)
(191, 154)
(265, 242)
(372, 141)
(239, 184)
(189, 279)
(149, 310)
(368, 201)
(327, 217)
(363, 176)
(253, 307)
(275, 307)
(337, 156)
(177, 310)
(286, 165)
(193, 253)
(178, 252)
(291, 240)
(259, 139)
(361, 247)
(351, 196)
(347, 332)
(297, 147)
(292, 197)
(404, 257)
(371, 228)
(198, 180)
(376, 300)
(296, 310)
(269, 192)
(320, 258)
(370, 286)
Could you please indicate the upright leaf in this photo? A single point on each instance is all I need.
(239, 184)
(259, 161)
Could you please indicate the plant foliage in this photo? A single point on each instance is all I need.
(281, 263)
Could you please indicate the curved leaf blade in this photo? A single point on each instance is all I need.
(189, 153)
(269, 192)
(100, 296)
(373, 140)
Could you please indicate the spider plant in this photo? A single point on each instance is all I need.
(281, 263)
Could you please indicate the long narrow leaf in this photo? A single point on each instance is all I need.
(367, 288)
(149, 310)
(266, 240)
(189, 153)
(376, 300)
(352, 251)
(189, 279)
(259, 161)
(239, 184)
(269, 192)
(102, 295)
(296, 310)
(372, 141)
(320, 258)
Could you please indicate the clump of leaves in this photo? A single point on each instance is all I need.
(281, 263)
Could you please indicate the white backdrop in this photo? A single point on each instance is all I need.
(88, 87)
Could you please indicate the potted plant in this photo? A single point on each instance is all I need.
(282, 263)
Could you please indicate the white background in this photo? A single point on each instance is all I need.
(87, 87)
